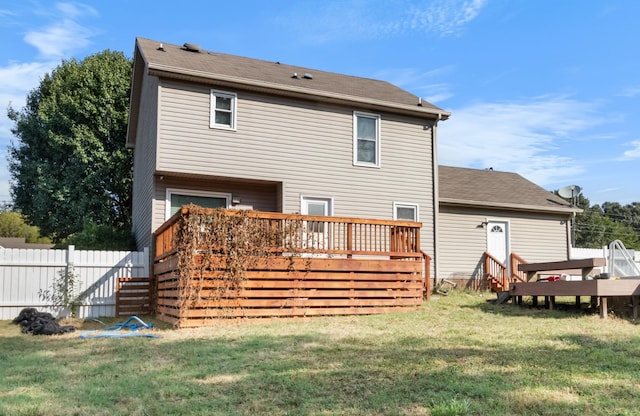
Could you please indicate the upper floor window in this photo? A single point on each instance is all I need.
(223, 110)
(366, 139)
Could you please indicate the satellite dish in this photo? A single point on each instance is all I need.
(570, 191)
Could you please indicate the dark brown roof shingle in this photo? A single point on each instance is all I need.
(176, 60)
(498, 189)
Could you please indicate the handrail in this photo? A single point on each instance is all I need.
(495, 269)
(320, 235)
(516, 274)
(616, 246)
(427, 275)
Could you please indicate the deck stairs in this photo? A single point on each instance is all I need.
(498, 276)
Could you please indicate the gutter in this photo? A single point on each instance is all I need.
(436, 197)
(506, 205)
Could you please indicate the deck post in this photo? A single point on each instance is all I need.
(603, 307)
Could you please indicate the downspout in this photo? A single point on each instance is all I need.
(571, 223)
(436, 198)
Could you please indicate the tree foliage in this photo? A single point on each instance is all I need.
(12, 224)
(597, 226)
(100, 237)
(69, 164)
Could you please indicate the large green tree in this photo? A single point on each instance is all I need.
(69, 165)
(597, 226)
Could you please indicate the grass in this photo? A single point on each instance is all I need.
(457, 355)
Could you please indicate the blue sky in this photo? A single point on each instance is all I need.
(548, 88)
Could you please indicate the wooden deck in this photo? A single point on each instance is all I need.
(597, 289)
(321, 266)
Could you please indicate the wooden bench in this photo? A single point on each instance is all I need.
(585, 266)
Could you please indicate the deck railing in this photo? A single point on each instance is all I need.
(496, 272)
(517, 275)
(318, 235)
(296, 265)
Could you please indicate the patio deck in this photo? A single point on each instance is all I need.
(597, 289)
(311, 266)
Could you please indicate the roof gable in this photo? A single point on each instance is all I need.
(489, 188)
(172, 61)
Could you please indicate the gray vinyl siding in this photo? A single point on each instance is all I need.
(258, 196)
(461, 244)
(536, 237)
(144, 164)
(306, 146)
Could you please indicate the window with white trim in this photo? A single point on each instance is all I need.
(176, 198)
(366, 139)
(223, 110)
(405, 211)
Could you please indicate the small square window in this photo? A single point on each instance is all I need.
(405, 212)
(223, 110)
(366, 139)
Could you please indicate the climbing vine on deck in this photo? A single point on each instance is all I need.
(216, 248)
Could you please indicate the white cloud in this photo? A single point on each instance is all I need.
(633, 153)
(418, 82)
(60, 39)
(60, 36)
(75, 10)
(519, 137)
(446, 17)
(630, 92)
(18, 80)
(369, 19)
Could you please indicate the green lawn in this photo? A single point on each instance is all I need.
(457, 355)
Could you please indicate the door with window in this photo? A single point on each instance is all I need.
(315, 233)
(498, 240)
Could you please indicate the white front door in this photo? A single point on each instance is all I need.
(498, 240)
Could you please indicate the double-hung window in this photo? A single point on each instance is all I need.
(223, 110)
(366, 139)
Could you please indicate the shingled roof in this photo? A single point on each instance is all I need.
(490, 188)
(190, 62)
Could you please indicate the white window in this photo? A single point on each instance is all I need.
(176, 198)
(366, 139)
(405, 212)
(316, 207)
(223, 110)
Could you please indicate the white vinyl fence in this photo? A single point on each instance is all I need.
(584, 253)
(24, 273)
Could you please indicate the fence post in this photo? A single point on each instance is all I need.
(146, 262)
(71, 253)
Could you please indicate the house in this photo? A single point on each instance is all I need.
(227, 131)
(500, 213)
